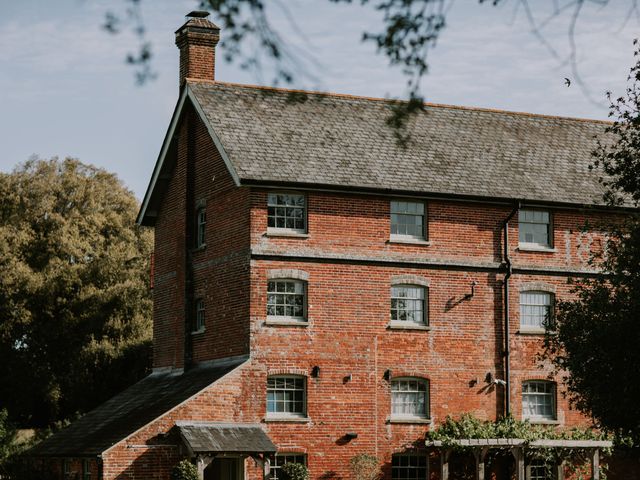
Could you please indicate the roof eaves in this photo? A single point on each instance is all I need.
(252, 182)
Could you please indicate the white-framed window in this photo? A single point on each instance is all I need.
(287, 212)
(66, 468)
(408, 220)
(287, 396)
(281, 459)
(86, 470)
(199, 323)
(409, 304)
(538, 470)
(286, 299)
(409, 398)
(409, 466)
(538, 400)
(536, 310)
(534, 228)
(201, 227)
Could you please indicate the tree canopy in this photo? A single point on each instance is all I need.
(597, 334)
(75, 305)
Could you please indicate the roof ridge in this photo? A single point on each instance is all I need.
(389, 100)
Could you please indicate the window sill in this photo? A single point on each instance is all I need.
(542, 421)
(198, 332)
(409, 420)
(531, 331)
(535, 248)
(200, 248)
(407, 326)
(272, 322)
(409, 241)
(284, 419)
(286, 233)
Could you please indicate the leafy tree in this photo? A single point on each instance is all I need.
(75, 307)
(7, 439)
(598, 333)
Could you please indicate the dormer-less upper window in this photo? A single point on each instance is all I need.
(286, 212)
(408, 220)
(534, 228)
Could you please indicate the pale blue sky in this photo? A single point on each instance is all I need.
(66, 91)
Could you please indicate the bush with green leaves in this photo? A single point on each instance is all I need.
(185, 470)
(295, 471)
(469, 427)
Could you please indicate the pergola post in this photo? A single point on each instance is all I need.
(480, 454)
(444, 463)
(595, 464)
(518, 455)
(560, 471)
(202, 462)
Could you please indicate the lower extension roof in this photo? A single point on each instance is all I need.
(286, 138)
(127, 412)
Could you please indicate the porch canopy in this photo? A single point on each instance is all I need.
(206, 440)
(481, 446)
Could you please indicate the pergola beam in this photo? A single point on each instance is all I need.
(517, 446)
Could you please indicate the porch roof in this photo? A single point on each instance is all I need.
(208, 437)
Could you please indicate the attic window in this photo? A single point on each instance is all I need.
(286, 212)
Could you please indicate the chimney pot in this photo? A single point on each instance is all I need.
(198, 14)
(197, 40)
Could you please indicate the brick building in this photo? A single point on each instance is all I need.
(322, 291)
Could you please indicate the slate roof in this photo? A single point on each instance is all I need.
(129, 411)
(339, 140)
(202, 437)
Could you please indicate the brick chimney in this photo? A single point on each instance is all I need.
(197, 40)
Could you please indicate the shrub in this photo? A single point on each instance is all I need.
(185, 470)
(295, 471)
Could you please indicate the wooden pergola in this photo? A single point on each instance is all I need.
(517, 446)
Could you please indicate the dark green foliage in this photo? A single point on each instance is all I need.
(185, 470)
(470, 427)
(7, 439)
(597, 339)
(295, 471)
(75, 305)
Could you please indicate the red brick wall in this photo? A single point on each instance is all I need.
(220, 270)
(348, 312)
